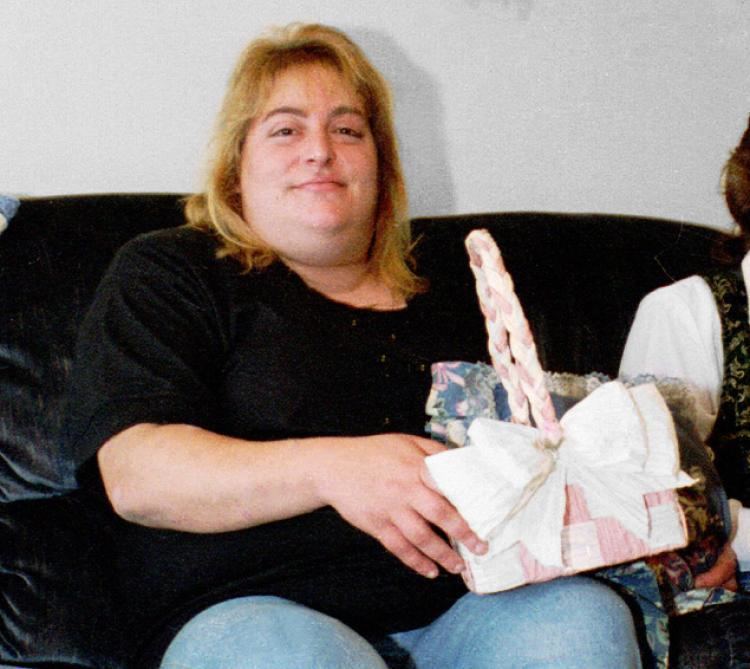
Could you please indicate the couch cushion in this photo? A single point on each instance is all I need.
(57, 607)
(51, 259)
(8, 208)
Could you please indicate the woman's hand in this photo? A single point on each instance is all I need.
(723, 574)
(380, 485)
(188, 479)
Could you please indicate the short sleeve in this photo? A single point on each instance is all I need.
(151, 344)
(677, 333)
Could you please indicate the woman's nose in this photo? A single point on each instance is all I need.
(319, 148)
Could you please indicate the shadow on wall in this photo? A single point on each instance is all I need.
(419, 124)
(523, 7)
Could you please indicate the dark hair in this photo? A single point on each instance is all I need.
(737, 183)
(736, 189)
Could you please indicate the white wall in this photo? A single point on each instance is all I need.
(563, 105)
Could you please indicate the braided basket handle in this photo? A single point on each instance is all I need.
(509, 339)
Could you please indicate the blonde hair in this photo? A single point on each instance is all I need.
(219, 207)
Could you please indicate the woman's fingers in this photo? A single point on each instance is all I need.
(723, 574)
(420, 548)
(427, 446)
(425, 546)
(442, 514)
(380, 487)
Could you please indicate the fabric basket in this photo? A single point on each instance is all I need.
(552, 497)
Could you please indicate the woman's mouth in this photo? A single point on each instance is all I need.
(320, 185)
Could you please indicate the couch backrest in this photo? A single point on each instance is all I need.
(51, 258)
(579, 278)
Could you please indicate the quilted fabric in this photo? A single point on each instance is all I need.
(659, 584)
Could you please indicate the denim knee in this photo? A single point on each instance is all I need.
(588, 618)
(262, 632)
(569, 623)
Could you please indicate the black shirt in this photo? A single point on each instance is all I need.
(176, 335)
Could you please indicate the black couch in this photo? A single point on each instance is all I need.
(579, 276)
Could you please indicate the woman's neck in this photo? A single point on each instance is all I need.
(355, 285)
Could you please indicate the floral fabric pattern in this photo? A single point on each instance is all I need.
(660, 585)
(730, 438)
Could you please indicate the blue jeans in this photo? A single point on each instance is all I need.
(563, 624)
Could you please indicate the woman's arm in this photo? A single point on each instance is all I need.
(149, 361)
(677, 333)
(186, 478)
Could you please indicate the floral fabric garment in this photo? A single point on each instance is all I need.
(660, 585)
(730, 438)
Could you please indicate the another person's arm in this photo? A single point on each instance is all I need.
(676, 333)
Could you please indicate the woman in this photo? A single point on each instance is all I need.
(697, 329)
(248, 397)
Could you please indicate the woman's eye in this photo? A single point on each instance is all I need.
(282, 132)
(350, 132)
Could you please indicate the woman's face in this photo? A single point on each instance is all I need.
(309, 172)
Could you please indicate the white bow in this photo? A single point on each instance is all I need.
(618, 444)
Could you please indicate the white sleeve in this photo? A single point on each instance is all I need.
(677, 333)
(740, 533)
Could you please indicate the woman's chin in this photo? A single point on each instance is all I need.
(331, 224)
(339, 232)
(329, 253)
